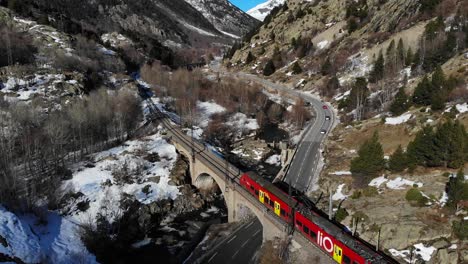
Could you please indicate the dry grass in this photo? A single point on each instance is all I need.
(390, 136)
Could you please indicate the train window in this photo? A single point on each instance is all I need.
(267, 201)
(282, 212)
(313, 234)
(346, 260)
(251, 187)
(272, 203)
(306, 230)
(256, 192)
(299, 223)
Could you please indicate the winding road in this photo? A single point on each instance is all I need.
(302, 173)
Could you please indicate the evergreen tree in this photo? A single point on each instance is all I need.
(370, 160)
(377, 72)
(450, 45)
(352, 25)
(296, 68)
(437, 101)
(456, 189)
(447, 146)
(401, 52)
(327, 67)
(450, 144)
(439, 91)
(398, 161)
(423, 93)
(438, 79)
(420, 151)
(409, 57)
(293, 43)
(417, 58)
(400, 104)
(250, 58)
(269, 68)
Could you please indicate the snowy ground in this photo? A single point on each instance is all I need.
(58, 240)
(94, 182)
(16, 89)
(396, 184)
(339, 193)
(423, 252)
(398, 120)
(55, 242)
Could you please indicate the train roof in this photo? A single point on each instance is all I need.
(273, 189)
(340, 232)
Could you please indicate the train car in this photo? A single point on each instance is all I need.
(328, 243)
(332, 237)
(273, 198)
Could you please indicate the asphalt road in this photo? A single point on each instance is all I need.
(242, 246)
(304, 168)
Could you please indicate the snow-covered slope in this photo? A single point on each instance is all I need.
(224, 16)
(262, 10)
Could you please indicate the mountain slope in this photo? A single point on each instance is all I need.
(262, 10)
(175, 23)
(224, 16)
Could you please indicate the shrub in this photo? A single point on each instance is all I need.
(460, 229)
(356, 194)
(15, 46)
(414, 196)
(269, 68)
(370, 191)
(341, 214)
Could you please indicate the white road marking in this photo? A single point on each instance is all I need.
(233, 256)
(254, 256)
(258, 231)
(248, 225)
(229, 241)
(216, 253)
(245, 243)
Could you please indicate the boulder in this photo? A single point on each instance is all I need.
(443, 256)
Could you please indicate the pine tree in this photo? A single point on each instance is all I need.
(420, 151)
(456, 189)
(327, 67)
(250, 58)
(398, 161)
(438, 79)
(296, 68)
(401, 103)
(401, 52)
(437, 101)
(377, 72)
(417, 58)
(370, 160)
(439, 91)
(409, 57)
(269, 68)
(423, 93)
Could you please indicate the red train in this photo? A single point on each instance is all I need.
(333, 238)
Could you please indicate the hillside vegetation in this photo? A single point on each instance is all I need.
(396, 71)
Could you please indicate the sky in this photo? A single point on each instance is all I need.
(246, 4)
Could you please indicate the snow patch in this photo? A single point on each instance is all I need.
(274, 160)
(398, 120)
(400, 183)
(339, 193)
(340, 173)
(322, 44)
(376, 182)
